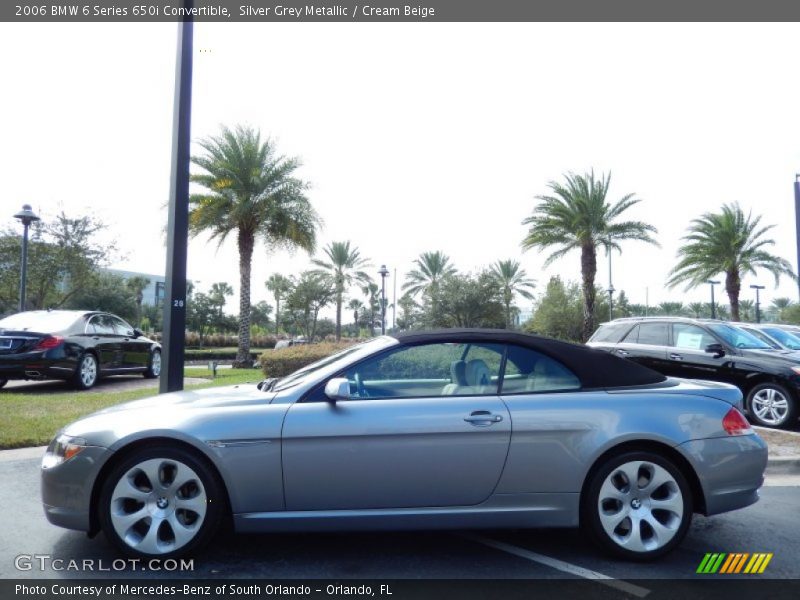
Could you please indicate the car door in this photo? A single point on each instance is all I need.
(689, 359)
(134, 350)
(646, 344)
(425, 426)
(105, 341)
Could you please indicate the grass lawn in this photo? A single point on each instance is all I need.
(31, 419)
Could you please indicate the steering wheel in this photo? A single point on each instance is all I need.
(360, 389)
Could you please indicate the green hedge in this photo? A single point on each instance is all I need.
(279, 363)
(216, 354)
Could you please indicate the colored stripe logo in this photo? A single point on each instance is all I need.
(732, 563)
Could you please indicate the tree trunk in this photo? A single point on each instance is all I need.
(588, 272)
(733, 286)
(277, 312)
(339, 294)
(246, 243)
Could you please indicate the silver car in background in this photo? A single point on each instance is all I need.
(423, 430)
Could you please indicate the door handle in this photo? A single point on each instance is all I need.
(674, 356)
(483, 417)
(622, 352)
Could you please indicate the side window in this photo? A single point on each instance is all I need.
(632, 337)
(101, 324)
(610, 332)
(121, 327)
(428, 370)
(691, 337)
(654, 334)
(528, 371)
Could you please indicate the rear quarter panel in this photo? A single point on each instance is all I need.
(557, 437)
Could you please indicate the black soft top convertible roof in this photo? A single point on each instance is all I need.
(594, 368)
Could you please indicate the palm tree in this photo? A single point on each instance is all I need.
(371, 291)
(431, 268)
(697, 309)
(746, 310)
(778, 306)
(252, 192)
(673, 309)
(136, 285)
(279, 285)
(343, 263)
(355, 305)
(726, 242)
(512, 280)
(578, 217)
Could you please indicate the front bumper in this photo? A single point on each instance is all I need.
(730, 470)
(67, 488)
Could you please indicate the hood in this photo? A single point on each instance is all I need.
(789, 358)
(230, 395)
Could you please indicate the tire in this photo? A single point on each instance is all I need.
(771, 405)
(87, 372)
(153, 365)
(146, 518)
(638, 522)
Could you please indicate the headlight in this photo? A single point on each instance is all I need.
(796, 370)
(61, 449)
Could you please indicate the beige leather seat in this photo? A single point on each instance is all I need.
(479, 377)
(457, 376)
(548, 375)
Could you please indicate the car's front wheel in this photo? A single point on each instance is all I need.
(771, 405)
(153, 365)
(637, 505)
(160, 502)
(86, 373)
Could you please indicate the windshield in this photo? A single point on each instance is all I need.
(40, 320)
(784, 337)
(739, 338)
(301, 375)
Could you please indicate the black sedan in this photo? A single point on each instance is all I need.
(74, 345)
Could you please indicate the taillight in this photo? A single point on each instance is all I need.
(735, 423)
(51, 341)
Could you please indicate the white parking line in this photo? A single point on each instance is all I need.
(560, 565)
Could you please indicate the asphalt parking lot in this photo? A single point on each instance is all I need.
(768, 526)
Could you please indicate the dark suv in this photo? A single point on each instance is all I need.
(714, 350)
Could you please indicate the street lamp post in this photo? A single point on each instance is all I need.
(611, 289)
(384, 272)
(758, 289)
(26, 217)
(713, 302)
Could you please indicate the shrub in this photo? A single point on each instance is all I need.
(279, 363)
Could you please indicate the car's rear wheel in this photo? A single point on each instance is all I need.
(638, 505)
(86, 373)
(153, 365)
(160, 502)
(771, 405)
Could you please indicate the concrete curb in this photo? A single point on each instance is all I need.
(783, 465)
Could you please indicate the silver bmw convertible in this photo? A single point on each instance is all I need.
(423, 430)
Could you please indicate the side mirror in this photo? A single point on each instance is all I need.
(716, 349)
(137, 332)
(338, 388)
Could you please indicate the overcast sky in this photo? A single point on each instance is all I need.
(415, 137)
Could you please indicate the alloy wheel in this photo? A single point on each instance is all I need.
(640, 506)
(158, 506)
(88, 371)
(155, 363)
(770, 405)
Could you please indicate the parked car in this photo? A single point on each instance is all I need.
(713, 350)
(773, 335)
(447, 429)
(74, 345)
(289, 343)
